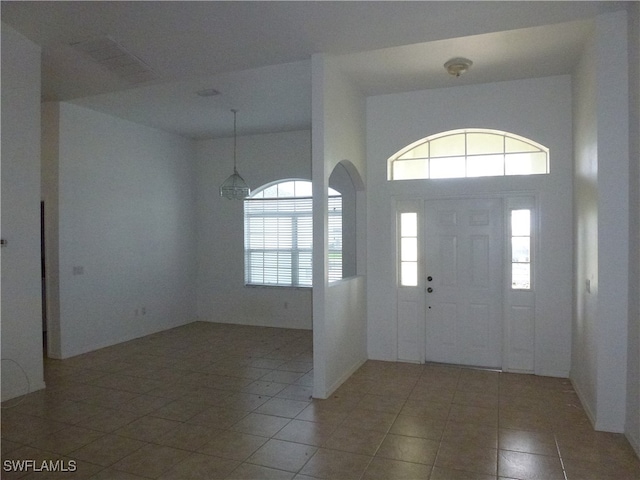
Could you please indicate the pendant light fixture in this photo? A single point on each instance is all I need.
(234, 187)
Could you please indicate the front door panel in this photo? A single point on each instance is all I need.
(463, 256)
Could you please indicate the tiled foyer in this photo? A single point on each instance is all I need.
(213, 401)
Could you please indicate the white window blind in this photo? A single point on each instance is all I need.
(335, 238)
(279, 238)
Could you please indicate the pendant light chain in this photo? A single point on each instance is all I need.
(235, 187)
(235, 140)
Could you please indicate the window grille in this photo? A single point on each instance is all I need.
(469, 153)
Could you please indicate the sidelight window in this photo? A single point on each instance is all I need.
(521, 249)
(409, 249)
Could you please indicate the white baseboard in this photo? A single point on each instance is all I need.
(255, 321)
(585, 404)
(38, 386)
(634, 441)
(332, 388)
(33, 387)
(82, 349)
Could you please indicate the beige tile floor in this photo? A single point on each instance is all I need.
(211, 401)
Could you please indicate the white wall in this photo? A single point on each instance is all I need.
(584, 357)
(613, 219)
(599, 367)
(221, 293)
(339, 309)
(22, 369)
(50, 141)
(539, 109)
(632, 427)
(126, 231)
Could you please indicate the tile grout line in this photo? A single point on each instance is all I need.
(446, 423)
(390, 427)
(564, 471)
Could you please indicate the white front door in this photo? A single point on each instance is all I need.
(463, 268)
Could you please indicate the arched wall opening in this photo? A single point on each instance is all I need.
(345, 179)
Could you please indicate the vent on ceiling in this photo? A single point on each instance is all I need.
(110, 54)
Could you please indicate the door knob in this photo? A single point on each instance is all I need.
(429, 289)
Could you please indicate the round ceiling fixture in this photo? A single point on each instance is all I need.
(458, 66)
(208, 92)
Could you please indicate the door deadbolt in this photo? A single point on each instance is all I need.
(429, 278)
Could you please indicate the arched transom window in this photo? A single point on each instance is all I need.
(469, 153)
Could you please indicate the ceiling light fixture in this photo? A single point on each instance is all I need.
(458, 66)
(208, 92)
(234, 187)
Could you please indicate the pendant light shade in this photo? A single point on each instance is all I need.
(234, 187)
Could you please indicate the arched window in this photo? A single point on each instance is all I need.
(278, 234)
(469, 153)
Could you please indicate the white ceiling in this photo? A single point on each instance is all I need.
(257, 54)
